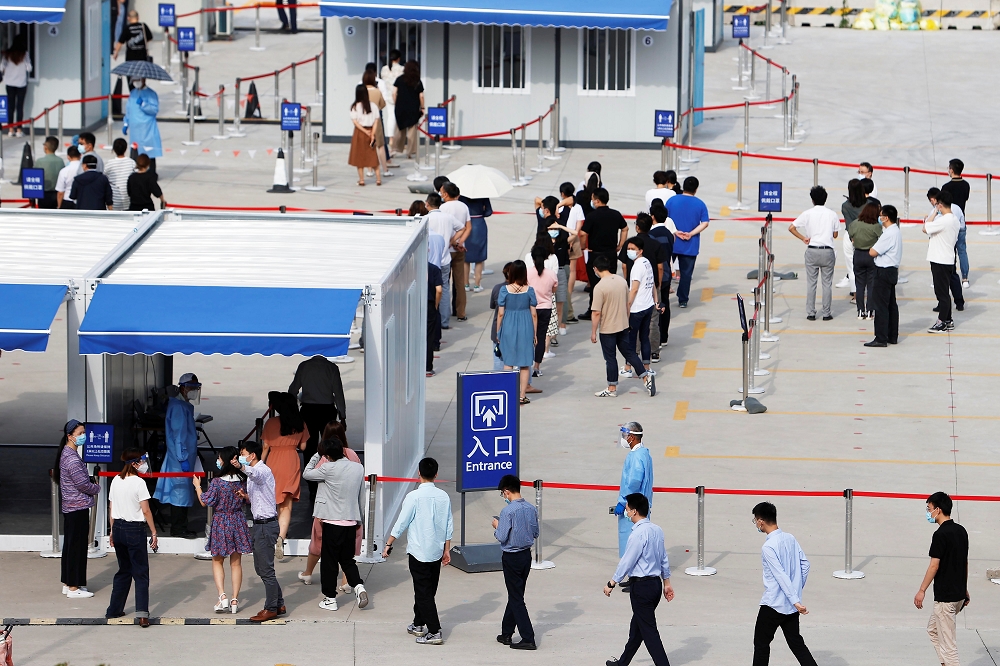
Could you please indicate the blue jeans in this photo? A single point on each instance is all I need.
(686, 264)
(445, 306)
(638, 326)
(133, 564)
(963, 255)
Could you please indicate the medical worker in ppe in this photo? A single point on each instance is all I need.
(182, 455)
(140, 123)
(637, 477)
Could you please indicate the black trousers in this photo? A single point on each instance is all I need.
(941, 274)
(864, 280)
(338, 549)
(645, 595)
(884, 302)
(49, 201)
(425, 577)
(316, 417)
(433, 333)
(665, 302)
(592, 276)
(543, 317)
(178, 520)
(76, 536)
(768, 621)
(955, 282)
(516, 567)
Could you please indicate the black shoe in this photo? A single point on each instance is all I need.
(936, 309)
(682, 305)
(811, 317)
(555, 342)
(893, 342)
(501, 638)
(961, 307)
(611, 662)
(446, 328)
(876, 343)
(828, 318)
(585, 316)
(186, 534)
(523, 645)
(463, 318)
(572, 320)
(587, 289)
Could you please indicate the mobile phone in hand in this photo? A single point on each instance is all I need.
(155, 548)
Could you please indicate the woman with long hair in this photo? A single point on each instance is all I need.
(229, 535)
(376, 100)
(363, 154)
(517, 322)
(284, 437)
(543, 281)
(408, 97)
(128, 506)
(864, 233)
(850, 209)
(77, 491)
(15, 66)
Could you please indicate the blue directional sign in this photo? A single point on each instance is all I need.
(489, 429)
(769, 198)
(185, 39)
(32, 184)
(291, 117)
(437, 120)
(3, 109)
(741, 26)
(168, 16)
(100, 442)
(663, 124)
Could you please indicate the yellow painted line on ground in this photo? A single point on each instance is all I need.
(681, 410)
(725, 211)
(124, 620)
(854, 414)
(739, 146)
(735, 165)
(674, 452)
(226, 620)
(898, 298)
(174, 620)
(730, 187)
(690, 368)
(706, 294)
(865, 372)
(720, 236)
(699, 330)
(908, 335)
(52, 620)
(714, 263)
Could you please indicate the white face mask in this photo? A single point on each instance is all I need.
(143, 468)
(632, 255)
(194, 396)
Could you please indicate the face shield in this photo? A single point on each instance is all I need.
(192, 393)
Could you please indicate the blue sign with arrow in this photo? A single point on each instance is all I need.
(100, 443)
(489, 429)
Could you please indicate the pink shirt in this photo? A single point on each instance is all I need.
(544, 286)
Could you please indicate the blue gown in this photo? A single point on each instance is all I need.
(140, 122)
(637, 477)
(182, 444)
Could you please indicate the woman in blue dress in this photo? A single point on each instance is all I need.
(229, 535)
(516, 323)
(476, 243)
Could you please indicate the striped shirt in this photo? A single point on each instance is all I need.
(260, 488)
(118, 170)
(75, 486)
(517, 526)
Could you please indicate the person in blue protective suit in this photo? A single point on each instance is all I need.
(140, 122)
(637, 477)
(182, 455)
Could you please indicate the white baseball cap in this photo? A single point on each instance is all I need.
(189, 379)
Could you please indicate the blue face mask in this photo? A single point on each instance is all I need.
(218, 463)
(506, 500)
(243, 460)
(81, 439)
(930, 518)
(553, 233)
(632, 254)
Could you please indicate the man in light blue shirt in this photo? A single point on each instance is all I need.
(785, 571)
(516, 528)
(426, 519)
(646, 565)
(888, 252)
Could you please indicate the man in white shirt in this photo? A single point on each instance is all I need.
(449, 228)
(88, 143)
(888, 252)
(865, 170)
(64, 183)
(460, 268)
(118, 170)
(663, 190)
(817, 227)
(954, 282)
(942, 232)
(641, 301)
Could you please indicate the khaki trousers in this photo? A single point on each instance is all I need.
(458, 278)
(941, 629)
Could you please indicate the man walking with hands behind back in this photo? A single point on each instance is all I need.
(949, 569)
(785, 572)
(817, 227)
(516, 528)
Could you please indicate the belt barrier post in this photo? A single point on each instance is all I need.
(371, 553)
(191, 141)
(290, 159)
(307, 145)
(690, 159)
(184, 83)
(95, 550)
(989, 231)
(235, 129)
(258, 429)
(558, 130)
(452, 123)
(194, 93)
(524, 149)
(256, 31)
(426, 166)
(785, 126)
(517, 182)
(539, 561)
(303, 135)
(56, 551)
(701, 569)
(848, 573)
(277, 94)
(541, 168)
(204, 554)
(784, 22)
(815, 172)
(746, 127)
(222, 114)
(111, 123)
(315, 187)
(767, 25)
(745, 389)
(319, 88)
(48, 129)
(767, 336)
(663, 155)
(906, 192)
(739, 68)
(437, 156)
(294, 96)
(739, 205)
(784, 88)
(166, 49)
(753, 77)
(767, 84)
(59, 129)
(796, 131)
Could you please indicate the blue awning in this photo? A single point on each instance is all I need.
(33, 11)
(637, 14)
(26, 314)
(151, 319)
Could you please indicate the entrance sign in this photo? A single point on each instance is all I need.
(488, 429)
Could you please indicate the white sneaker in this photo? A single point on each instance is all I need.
(478, 288)
(359, 590)
(843, 284)
(431, 639)
(965, 284)
(306, 579)
(328, 603)
(414, 630)
(562, 331)
(548, 354)
(625, 373)
(79, 593)
(65, 588)
(606, 394)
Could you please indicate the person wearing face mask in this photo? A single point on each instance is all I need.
(139, 123)
(260, 494)
(229, 535)
(128, 506)
(562, 236)
(647, 566)
(785, 571)
(182, 454)
(643, 301)
(516, 528)
(76, 490)
(637, 477)
(949, 569)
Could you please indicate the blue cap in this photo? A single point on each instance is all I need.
(71, 425)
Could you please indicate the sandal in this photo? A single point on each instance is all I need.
(524, 401)
(234, 605)
(379, 183)
(361, 183)
(223, 604)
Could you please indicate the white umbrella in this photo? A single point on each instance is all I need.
(480, 182)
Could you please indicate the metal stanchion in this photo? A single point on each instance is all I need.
(307, 147)
(222, 114)
(557, 119)
(205, 554)
(539, 562)
(784, 23)
(256, 31)
(319, 88)
(235, 129)
(191, 141)
(767, 25)
(767, 85)
(59, 129)
(437, 157)
(753, 77)
(815, 172)
(258, 429)
(739, 205)
(746, 127)
(294, 84)
(111, 123)
(516, 182)
(989, 231)
(94, 550)
(701, 569)
(371, 553)
(739, 67)
(48, 129)
(56, 550)
(426, 166)
(785, 126)
(690, 159)
(277, 94)
(906, 192)
(198, 114)
(796, 130)
(184, 84)
(315, 187)
(524, 150)
(740, 406)
(166, 49)
(663, 155)
(848, 573)
(784, 90)
(452, 123)
(303, 135)
(541, 168)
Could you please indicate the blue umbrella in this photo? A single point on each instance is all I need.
(142, 69)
